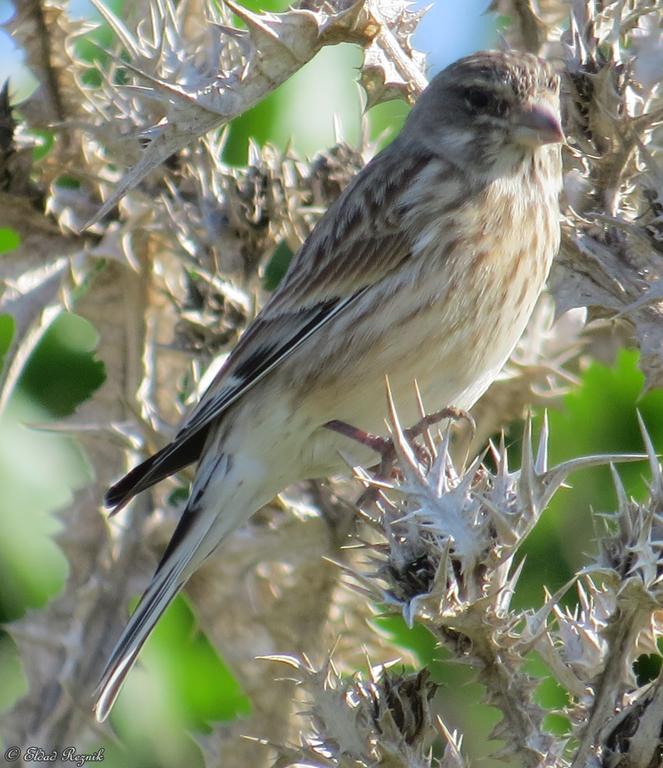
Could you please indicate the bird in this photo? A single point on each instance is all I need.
(425, 269)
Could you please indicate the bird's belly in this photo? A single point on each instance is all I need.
(450, 326)
(453, 360)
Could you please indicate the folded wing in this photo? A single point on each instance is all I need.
(358, 242)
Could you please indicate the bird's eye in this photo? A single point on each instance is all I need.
(476, 98)
(480, 100)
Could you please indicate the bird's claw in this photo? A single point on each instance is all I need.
(385, 448)
(451, 412)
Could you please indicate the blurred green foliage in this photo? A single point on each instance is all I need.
(277, 266)
(7, 329)
(9, 240)
(66, 348)
(43, 143)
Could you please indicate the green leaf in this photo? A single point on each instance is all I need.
(45, 141)
(277, 266)
(62, 371)
(9, 239)
(7, 330)
(67, 182)
(257, 124)
(14, 681)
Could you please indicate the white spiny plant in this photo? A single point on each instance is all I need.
(450, 538)
(444, 554)
(169, 271)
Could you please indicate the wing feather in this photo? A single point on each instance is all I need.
(358, 242)
(246, 370)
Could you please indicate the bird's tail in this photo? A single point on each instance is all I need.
(216, 506)
(166, 583)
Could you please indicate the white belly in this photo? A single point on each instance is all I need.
(452, 359)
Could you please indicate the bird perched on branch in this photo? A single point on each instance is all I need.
(426, 268)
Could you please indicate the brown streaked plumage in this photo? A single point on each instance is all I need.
(426, 268)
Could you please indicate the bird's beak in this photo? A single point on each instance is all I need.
(535, 125)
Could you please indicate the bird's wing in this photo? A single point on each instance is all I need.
(358, 242)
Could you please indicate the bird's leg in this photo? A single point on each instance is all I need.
(367, 439)
(451, 412)
(384, 447)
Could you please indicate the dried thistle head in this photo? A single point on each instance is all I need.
(384, 719)
(451, 531)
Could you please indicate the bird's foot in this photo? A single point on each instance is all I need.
(385, 448)
(451, 412)
(376, 443)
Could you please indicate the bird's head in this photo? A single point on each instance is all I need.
(490, 111)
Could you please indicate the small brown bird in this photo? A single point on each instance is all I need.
(426, 268)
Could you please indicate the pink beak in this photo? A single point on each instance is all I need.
(536, 125)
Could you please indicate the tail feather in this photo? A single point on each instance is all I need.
(217, 505)
(153, 603)
(180, 561)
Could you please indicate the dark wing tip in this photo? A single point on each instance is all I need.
(121, 492)
(113, 495)
(167, 461)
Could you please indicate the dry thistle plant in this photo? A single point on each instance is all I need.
(445, 556)
(169, 271)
